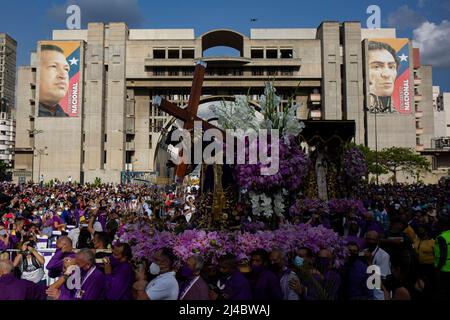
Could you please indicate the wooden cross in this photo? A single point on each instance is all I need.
(189, 114)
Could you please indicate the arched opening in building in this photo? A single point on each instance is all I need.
(223, 40)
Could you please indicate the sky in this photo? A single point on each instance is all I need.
(426, 22)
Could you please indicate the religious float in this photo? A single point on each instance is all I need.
(239, 209)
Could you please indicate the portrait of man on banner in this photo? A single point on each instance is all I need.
(59, 80)
(383, 68)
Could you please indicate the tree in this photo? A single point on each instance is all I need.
(373, 166)
(396, 159)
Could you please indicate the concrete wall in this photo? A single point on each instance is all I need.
(329, 33)
(446, 97)
(353, 81)
(426, 105)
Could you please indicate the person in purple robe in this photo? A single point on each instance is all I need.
(59, 290)
(264, 283)
(331, 280)
(63, 249)
(194, 287)
(233, 285)
(119, 273)
(12, 288)
(93, 282)
(354, 279)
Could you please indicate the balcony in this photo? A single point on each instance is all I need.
(419, 130)
(419, 147)
(417, 97)
(419, 114)
(130, 146)
(417, 81)
(316, 114)
(315, 98)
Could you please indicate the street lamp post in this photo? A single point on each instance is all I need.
(40, 153)
(34, 132)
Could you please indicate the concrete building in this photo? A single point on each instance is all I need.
(7, 97)
(119, 130)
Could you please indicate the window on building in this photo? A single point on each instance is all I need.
(174, 54)
(271, 53)
(130, 137)
(258, 71)
(159, 54)
(272, 71)
(187, 54)
(173, 71)
(188, 72)
(104, 156)
(159, 71)
(150, 144)
(286, 54)
(257, 53)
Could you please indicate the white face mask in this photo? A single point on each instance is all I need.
(154, 269)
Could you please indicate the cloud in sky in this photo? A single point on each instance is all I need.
(101, 11)
(433, 40)
(404, 18)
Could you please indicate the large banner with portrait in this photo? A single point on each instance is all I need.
(389, 76)
(59, 81)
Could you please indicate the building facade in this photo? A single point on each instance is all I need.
(118, 131)
(7, 97)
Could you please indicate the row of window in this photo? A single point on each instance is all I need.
(173, 53)
(256, 53)
(174, 71)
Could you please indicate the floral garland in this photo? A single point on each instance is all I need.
(214, 244)
(354, 165)
(333, 206)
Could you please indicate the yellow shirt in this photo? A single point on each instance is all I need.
(425, 250)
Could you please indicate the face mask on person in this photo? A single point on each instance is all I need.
(187, 272)
(154, 269)
(66, 208)
(298, 261)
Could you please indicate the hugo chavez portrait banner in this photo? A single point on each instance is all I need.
(59, 81)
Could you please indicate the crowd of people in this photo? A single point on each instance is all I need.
(405, 233)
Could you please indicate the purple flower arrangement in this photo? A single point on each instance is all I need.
(333, 206)
(213, 244)
(293, 166)
(354, 165)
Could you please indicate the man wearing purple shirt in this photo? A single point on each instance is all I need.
(264, 283)
(234, 286)
(119, 273)
(12, 288)
(64, 249)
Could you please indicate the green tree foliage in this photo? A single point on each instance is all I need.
(397, 159)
